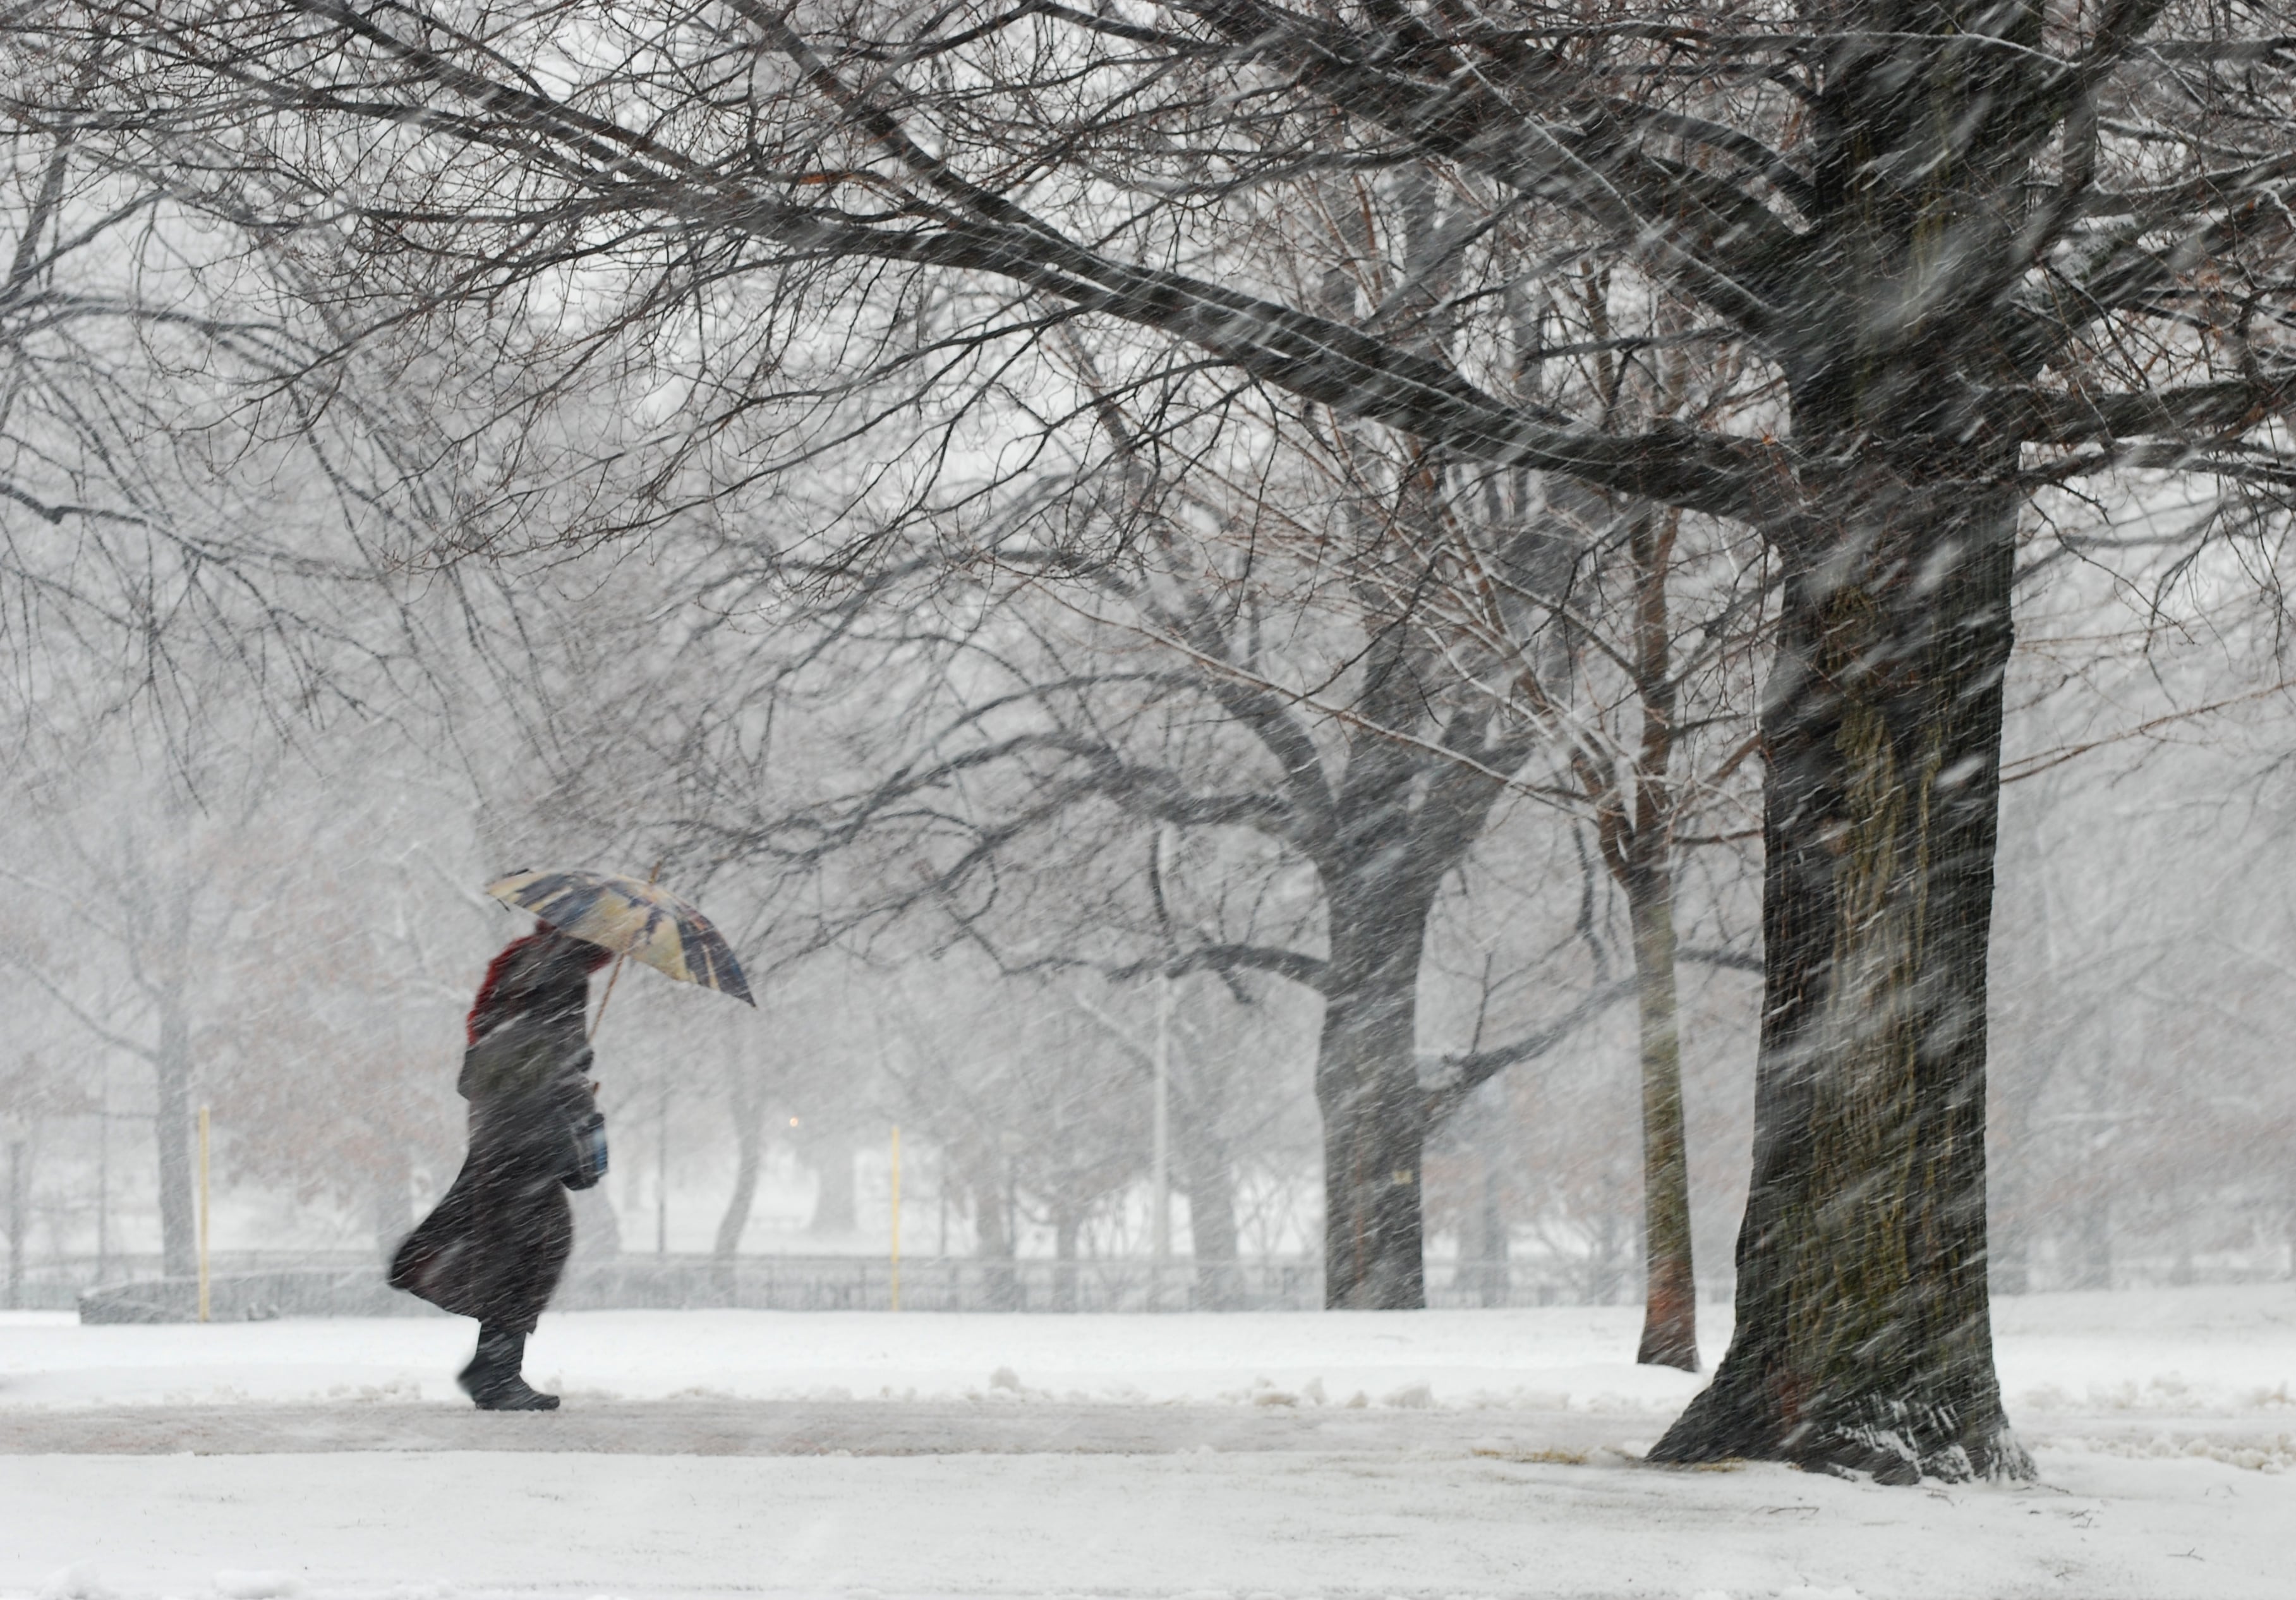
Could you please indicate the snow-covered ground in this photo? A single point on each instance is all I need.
(1543, 1358)
(2194, 1352)
(1426, 1454)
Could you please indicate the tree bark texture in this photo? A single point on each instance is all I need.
(1399, 823)
(1373, 1115)
(1671, 1298)
(1864, 1337)
(1634, 822)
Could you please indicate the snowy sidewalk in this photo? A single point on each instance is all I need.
(1458, 1454)
(736, 1427)
(1563, 1359)
(2215, 1352)
(803, 1428)
(440, 1527)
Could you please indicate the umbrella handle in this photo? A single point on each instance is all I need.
(614, 977)
(610, 979)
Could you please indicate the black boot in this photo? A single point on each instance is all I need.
(493, 1380)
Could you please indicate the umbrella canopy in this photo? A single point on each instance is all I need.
(643, 921)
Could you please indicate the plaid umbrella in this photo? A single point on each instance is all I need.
(643, 921)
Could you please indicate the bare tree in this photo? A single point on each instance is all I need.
(1026, 1102)
(338, 1010)
(745, 1091)
(1154, 694)
(190, 499)
(128, 969)
(1969, 249)
(1223, 1057)
(1636, 661)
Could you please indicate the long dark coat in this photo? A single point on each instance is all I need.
(496, 1244)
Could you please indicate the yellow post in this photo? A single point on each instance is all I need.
(896, 1215)
(203, 1213)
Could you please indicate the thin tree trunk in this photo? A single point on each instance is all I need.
(1670, 1289)
(749, 1162)
(1066, 1226)
(750, 1159)
(993, 1243)
(171, 1127)
(1864, 1337)
(1211, 1219)
(20, 1187)
(1497, 1275)
(2092, 1244)
(1637, 831)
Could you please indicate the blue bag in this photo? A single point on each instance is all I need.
(589, 1151)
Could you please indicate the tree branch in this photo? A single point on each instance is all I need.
(1456, 1077)
(2198, 411)
(1317, 358)
(117, 1041)
(1307, 970)
(1710, 232)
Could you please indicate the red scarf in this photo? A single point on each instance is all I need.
(487, 1009)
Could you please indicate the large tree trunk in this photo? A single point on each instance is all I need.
(1373, 1111)
(1670, 1287)
(1864, 1338)
(179, 1225)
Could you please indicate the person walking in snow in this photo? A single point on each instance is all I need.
(494, 1246)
